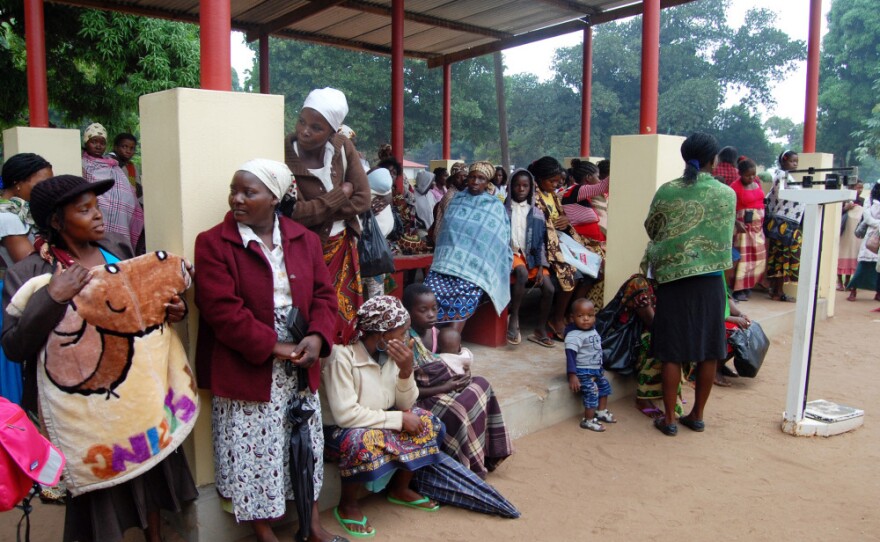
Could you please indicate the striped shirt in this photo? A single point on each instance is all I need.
(577, 205)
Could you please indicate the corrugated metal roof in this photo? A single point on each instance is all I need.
(437, 30)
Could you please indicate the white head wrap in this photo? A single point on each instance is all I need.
(330, 103)
(380, 181)
(275, 175)
(423, 181)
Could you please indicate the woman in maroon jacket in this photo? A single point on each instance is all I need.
(253, 268)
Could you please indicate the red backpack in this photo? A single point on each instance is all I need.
(26, 456)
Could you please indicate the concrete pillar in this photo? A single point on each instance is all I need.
(60, 146)
(827, 281)
(633, 184)
(192, 141)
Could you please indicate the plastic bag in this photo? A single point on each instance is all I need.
(749, 348)
(373, 251)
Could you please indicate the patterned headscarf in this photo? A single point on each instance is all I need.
(94, 130)
(456, 167)
(275, 175)
(381, 313)
(485, 168)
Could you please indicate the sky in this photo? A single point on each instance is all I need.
(537, 57)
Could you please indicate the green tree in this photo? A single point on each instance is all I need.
(296, 68)
(701, 59)
(849, 63)
(740, 128)
(98, 62)
(789, 134)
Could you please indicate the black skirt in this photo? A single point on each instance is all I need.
(689, 320)
(105, 514)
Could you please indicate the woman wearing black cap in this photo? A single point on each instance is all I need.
(71, 241)
(20, 174)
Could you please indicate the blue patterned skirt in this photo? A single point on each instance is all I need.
(366, 454)
(457, 299)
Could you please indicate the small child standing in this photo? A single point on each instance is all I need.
(583, 355)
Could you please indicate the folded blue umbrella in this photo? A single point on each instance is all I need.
(450, 482)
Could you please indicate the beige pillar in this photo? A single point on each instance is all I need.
(639, 165)
(192, 141)
(60, 146)
(827, 281)
(434, 164)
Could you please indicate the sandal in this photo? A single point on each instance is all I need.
(652, 412)
(344, 523)
(728, 372)
(605, 416)
(555, 334)
(546, 342)
(851, 296)
(515, 339)
(694, 425)
(668, 429)
(417, 504)
(721, 381)
(592, 425)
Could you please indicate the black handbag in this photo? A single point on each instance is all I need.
(620, 340)
(749, 349)
(373, 251)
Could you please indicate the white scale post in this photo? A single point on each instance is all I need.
(833, 419)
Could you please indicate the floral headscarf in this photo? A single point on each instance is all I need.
(381, 313)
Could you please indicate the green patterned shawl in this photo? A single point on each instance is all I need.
(691, 228)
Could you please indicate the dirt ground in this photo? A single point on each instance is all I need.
(743, 479)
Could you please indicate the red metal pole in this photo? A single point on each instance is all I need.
(215, 21)
(35, 43)
(264, 64)
(397, 78)
(650, 66)
(587, 91)
(447, 111)
(812, 102)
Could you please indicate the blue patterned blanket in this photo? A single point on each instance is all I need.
(474, 244)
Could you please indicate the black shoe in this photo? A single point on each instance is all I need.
(668, 429)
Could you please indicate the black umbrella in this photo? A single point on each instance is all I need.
(302, 465)
(450, 482)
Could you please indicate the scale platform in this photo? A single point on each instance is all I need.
(824, 418)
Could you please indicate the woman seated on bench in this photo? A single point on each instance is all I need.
(467, 406)
(371, 427)
(472, 256)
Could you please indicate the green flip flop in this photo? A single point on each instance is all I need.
(344, 523)
(417, 504)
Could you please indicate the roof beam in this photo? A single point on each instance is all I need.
(571, 5)
(545, 33)
(630, 11)
(385, 10)
(299, 14)
(515, 41)
(355, 45)
(107, 5)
